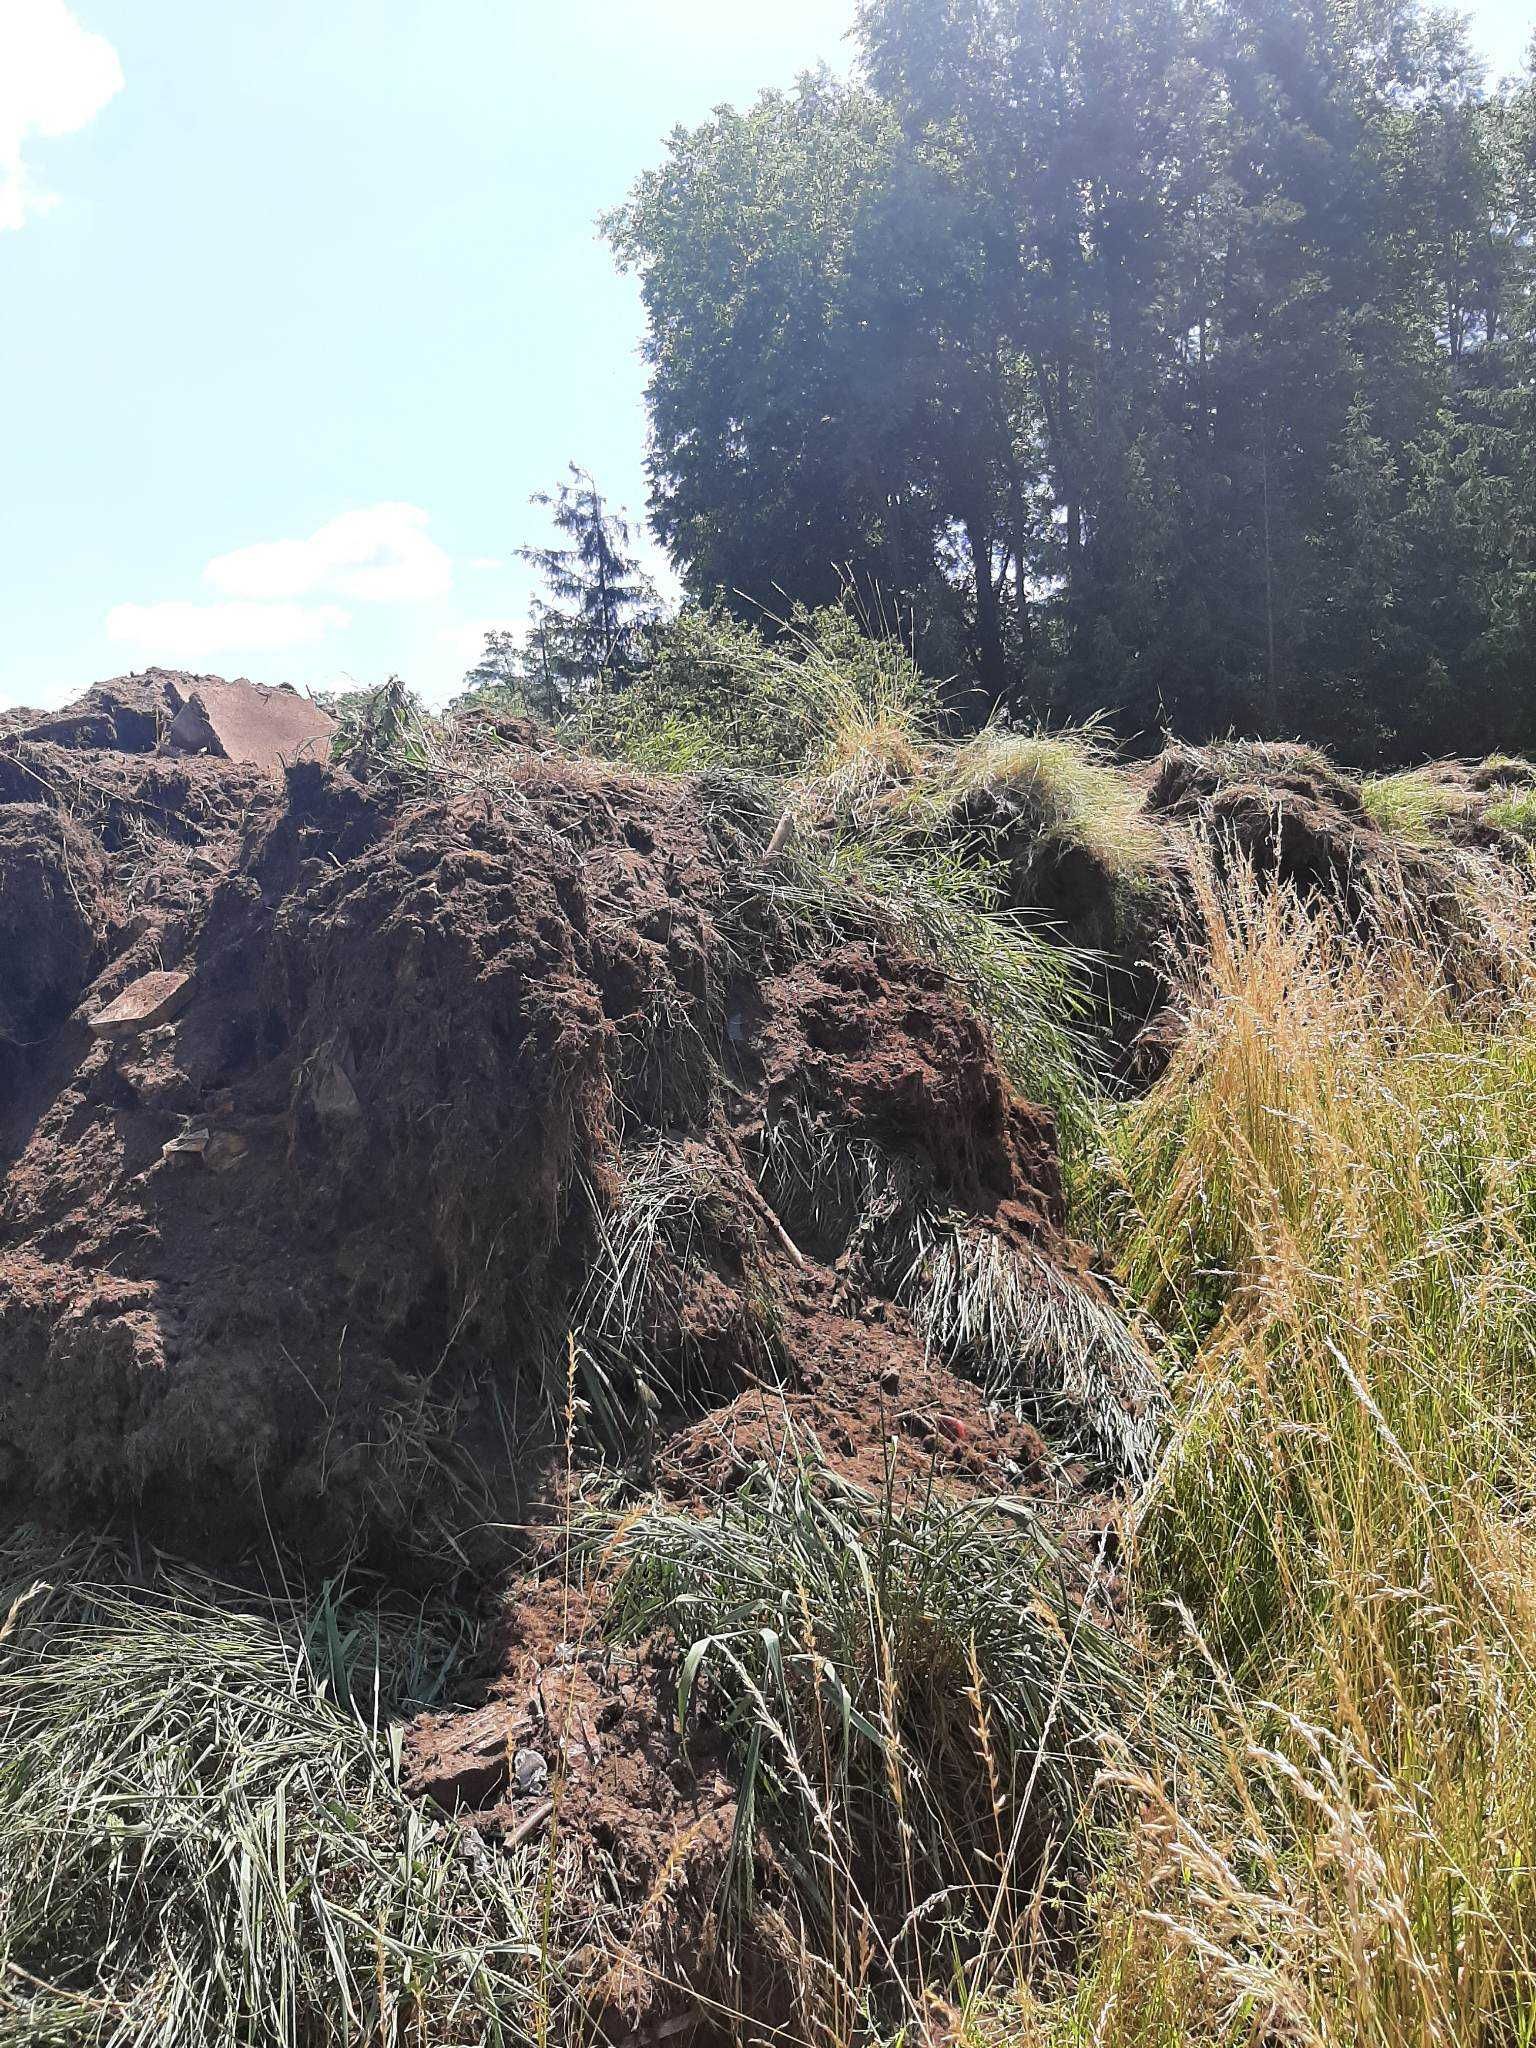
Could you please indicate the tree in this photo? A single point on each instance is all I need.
(768, 452)
(1169, 358)
(585, 638)
(520, 671)
(808, 420)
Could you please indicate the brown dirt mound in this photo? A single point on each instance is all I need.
(1124, 920)
(1292, 815)
(1286, 808)
(1500, 774)
(645, 1817)
(335, 1254)
(52, 920)
(128, 714)
(300, 1261)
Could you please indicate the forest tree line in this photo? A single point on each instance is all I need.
(1171, 358)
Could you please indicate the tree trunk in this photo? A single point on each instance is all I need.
(1076, 620)
(989, 633)
(1016, 523)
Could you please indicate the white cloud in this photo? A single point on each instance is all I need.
(55, 76)
(179, 631)
(382, 554)
(465, 644)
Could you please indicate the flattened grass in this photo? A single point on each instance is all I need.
(201, 1843)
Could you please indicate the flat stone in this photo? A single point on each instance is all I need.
(530, 1773)
(265, 726)
(188, 1144)
(152, 999)
(333, 1093)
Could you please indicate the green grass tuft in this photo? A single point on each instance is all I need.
(1515, 813)
(1029, 1332)
(917, 1704)
(1414, 804)
(873, 877)
(1068, 779)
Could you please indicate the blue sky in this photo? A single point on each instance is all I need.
(300, 299)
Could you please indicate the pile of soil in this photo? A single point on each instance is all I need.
(1285, 808)
(295, 1260)
(1127, 919)
(355, 1182)
(329, 1250)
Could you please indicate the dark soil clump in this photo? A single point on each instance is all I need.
(1284, 808)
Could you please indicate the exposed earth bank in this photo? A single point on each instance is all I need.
(377, 1154)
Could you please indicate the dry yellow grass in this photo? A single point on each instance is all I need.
(1332, 1200)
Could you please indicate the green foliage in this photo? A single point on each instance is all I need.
(1515, 813)
(381, 728)
(708, 692)
(1077, 796)
(757, 421)
(815, 690)
(1412, 804)
(520, 675)
(585, 633)
(1175, 360)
